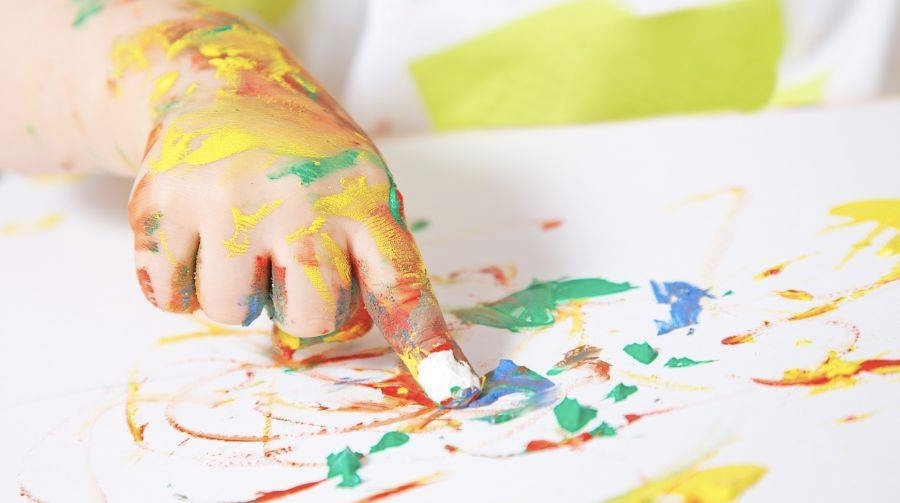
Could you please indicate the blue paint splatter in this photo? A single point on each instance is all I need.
(684, 304)
(509, 378)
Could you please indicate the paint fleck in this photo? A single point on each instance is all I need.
(418, 225)
(344, 464)
(509, 378)
(833, 373)
(795, 294)
(572, 416)
(390, 439)
(86, 9)
(579, 356)
(642, 352)
(684, 362)
(534, 306)
(684, 304)
(547, 225)
(621, 392)
(604, 430)
(771, 271)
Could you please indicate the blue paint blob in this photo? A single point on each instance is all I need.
(509, 378)
(684, 304)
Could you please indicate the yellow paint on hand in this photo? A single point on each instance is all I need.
(163, 85)
(884, 213)
(239, 242)
(721, 484)
(795, 294)
(341, 262)
(19, 228)
(315, 276)
(313, 228)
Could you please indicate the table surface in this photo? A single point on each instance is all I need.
(799, 396)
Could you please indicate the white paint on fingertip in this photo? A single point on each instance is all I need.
(441, 372)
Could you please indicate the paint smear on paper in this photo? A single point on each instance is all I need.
(584, 355)
(389, 440)
(534, 307)
(24, 227)
(721, 484)
(509, 379)
(604, 430)
(684, 362)
(572, 416)
(621, 392)
(833, 373)
(795, 294)
(684, 304)
(344, 464)
(884, 213)
(642, 352)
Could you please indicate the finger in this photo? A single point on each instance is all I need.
(306, 287)
(232, 288)
(165, 255)
(399, 297)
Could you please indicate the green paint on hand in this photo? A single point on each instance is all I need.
(642, 352)
(533, 307)
(395, 203)
(86, 9)
(310, 170)
(151, 223)
(390, 439)
(684, 362)
(604, 430)
(621, 392)
(344, 464)
(572, 416)
(418, 225)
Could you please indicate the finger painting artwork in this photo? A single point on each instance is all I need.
(711, 339)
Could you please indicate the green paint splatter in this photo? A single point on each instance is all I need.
(86, 10)
(151, 223)
(310, 170)
(642, 352)
(395, 203)
(604, 430)
(684, 362)
(418, 225)
(390, 439)
(534, 306)
(621, 392)
(344, 464)
(221, 29)
(572, 416)
(727, 293)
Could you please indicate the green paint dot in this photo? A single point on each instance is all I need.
(621, 392)
(727, 293)
(642, 352)
(604, 430)
(390, 439)
(684, 362)
(572, 416)
(344, 464)
(418, 225)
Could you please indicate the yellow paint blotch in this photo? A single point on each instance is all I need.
(712, 485)
(23, 227)
(239, 242)
(884, 213)
(795, 294)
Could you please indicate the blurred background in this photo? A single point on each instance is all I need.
(408, 66)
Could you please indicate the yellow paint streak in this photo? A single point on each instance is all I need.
(210, 330)
(131, 399)
(341, 263)
(163, 85)
(313, 228)
(572, 311)
(18, 228)
(164, 246)
(314, 274)
(795, 294)
(818, 310)
(655, 382)
(884, 213)
(854, 417)
(239, 242)
(721, 484)
(803, 342)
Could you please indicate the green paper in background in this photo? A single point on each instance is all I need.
(593, 60)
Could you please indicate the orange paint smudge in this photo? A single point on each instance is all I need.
(399, 489)
(404, 387)
(274, 495)
(852, 418)
(631, 418)
(738, 339)
(324, 358)
(547, 225)
(772, 271)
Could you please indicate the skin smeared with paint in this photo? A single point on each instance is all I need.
(721, 484)
(247, 154)
(534, 306)
(86, 9)
(509, 378)
(833, 373)
(684, 304)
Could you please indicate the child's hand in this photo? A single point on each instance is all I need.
(257, 192)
